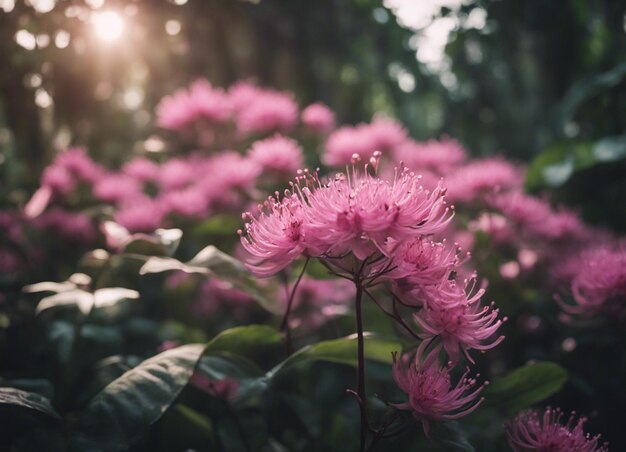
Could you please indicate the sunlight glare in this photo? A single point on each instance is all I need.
(108, 25)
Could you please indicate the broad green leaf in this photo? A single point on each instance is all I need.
(525, 386)
(29, 400)
(341, 351)
(122, 412)
(212, 261)
(248, 341)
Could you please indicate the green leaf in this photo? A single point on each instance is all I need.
(450, 436)
(586, 89)
(560, 161)
(341, 351)
(28, 400)
(212, 261)
(248, 341)
(119, 415)
(85, 301)
(525, 386)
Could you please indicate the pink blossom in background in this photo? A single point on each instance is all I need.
(598, 284)
(431, 394)
(116, 187)
(318, 300)
(386, 135)
(59, 179)
(229, 170)
(346, 141)
(318, 118)
(140, 214)
(142, 169)
(494, 225)
(267, 111)
(440, 156)
(79, 164)
(188, 202)
(531, 431)
(177, 173)
(200, 101)
(216, 294)
(242, 94)
(74, 226)
(453, 314)
(475, 179)
(278, 154)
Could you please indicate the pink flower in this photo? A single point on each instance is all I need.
(359, 212)
(215, 294)
(59, 179)
(480, 177)
(79, 164)
(599, 281)
(346, 141)
(176, 173)
(386, 134)
(117, 187)
(529, 432)
(141, 214)
(142, 169)
(438, 156)
(432, 396)
(318, 118)
(318, 300)
(74, 226)
(421, 262)
(278, 154)
(229, 170)
(184, 107)
(188, 202)
(454, 314)
(266, 111)
(275, 238)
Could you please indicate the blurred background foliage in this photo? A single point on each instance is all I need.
(519, 77)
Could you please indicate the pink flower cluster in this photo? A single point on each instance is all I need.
(247, 107)
(373, 229)
(532, 432)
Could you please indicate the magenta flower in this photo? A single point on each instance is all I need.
(188, 202)
(278, 154)
(346, 141)
(79, 164)
(177, 173)
(59, 179)
(141, 214)
(142, 169)
(599, 282)
(117, 187)
(318, 118)
(215, 294)
(73, 226)
(184, 107)
(275, 238)
(473, 180)
(432, 396)
(453, 313)
(386, 134)
(360, 212)
(530, 432)
(266, 111)
(440, 157)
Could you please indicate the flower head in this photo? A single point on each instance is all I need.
(532, 432)
(116, 187)
(453, 313)
(277, 154)
(140, 214)
(473, 180)
(438, 156)
(318, 118)
(432, 396)
(262, 110)
(142, 169)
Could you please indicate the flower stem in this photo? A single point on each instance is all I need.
(360, 389)
(284, 325)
